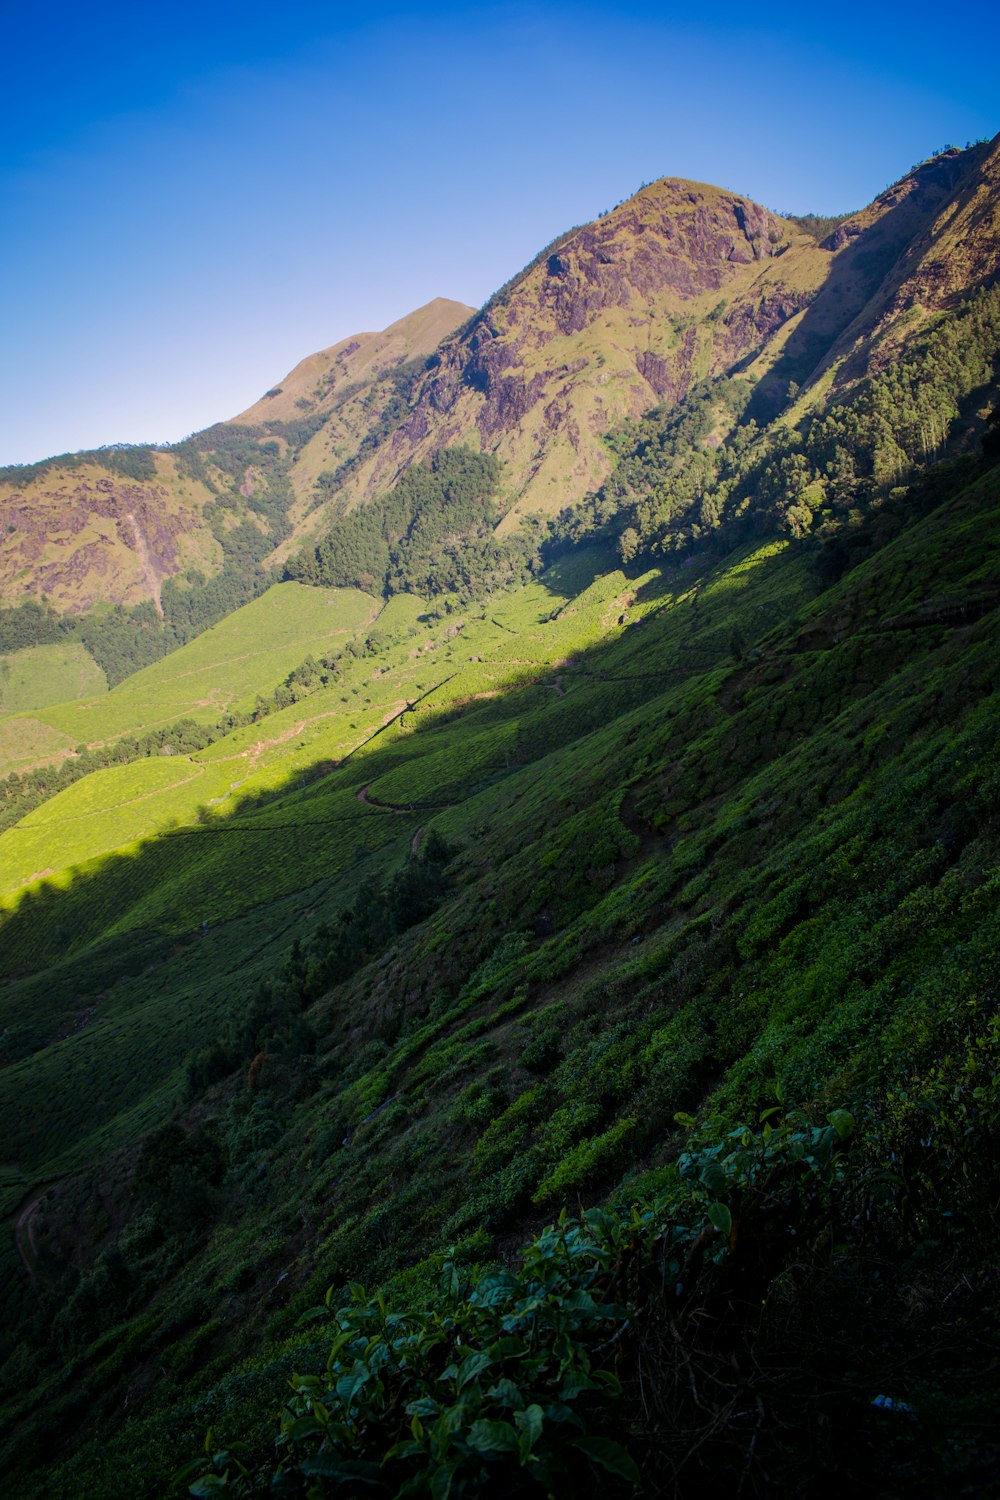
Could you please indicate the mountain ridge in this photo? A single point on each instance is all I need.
(617, 316)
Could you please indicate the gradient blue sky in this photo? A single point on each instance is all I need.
(194, 197)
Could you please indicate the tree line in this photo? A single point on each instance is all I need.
(435, 533)
(675, 484)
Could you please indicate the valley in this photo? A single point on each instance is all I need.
(499, 976)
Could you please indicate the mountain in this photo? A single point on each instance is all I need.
(680, 283)
(512, 1009)
(111, 527)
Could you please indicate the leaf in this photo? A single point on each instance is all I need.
(425, 1406)
(441, 1481)
(507, 1393)
(311, 1314)
(529, 1423)
(720, 1218)
(348, 1385)
(408, 1448)
(714, 1177)
(210, 1485)
(684, 1119)
(471, 1366)
(610, 1456)
(330, 1466)
(492, 1439)
(303, 1427)
(574, 1381)
(842, 1122)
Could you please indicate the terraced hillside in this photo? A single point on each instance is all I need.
(652, 843)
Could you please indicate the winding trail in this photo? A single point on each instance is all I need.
(24, 1235)
(395, 807)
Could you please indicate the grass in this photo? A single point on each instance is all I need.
(689, 873)
(448, 662)
(223, 668)
(40, 676)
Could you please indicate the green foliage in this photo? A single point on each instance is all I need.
(676, 878)
(510, 1380)
(434, 534)
(30, 624)
(674, 486)
(819, 226)
(131, 461)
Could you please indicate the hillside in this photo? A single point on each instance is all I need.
(112, 527)
(583, 972)
(680, 283)
(512, 1010)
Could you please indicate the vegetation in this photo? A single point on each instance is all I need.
(504, 1046)
(38, 676)
(820, 226)
(673, 488)
(557, 1052)
(433, 534)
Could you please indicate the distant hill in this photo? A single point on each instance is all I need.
(111, 527)
(680, 283)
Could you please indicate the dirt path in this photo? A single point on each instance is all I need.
(394, 807)
(24, 1235)
(382, 806)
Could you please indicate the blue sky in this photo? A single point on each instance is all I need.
(195, 197)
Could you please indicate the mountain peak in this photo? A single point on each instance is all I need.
(320, 377)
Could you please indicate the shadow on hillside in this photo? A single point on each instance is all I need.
(856, 275)
(65, 947)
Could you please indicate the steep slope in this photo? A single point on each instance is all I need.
(81, 533)
(323, 382)
(923, 245)
(679, 283)
(675, 870)
(105, 528)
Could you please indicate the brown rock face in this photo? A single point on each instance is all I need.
(680, 283)
(612, 320)
(90, 540)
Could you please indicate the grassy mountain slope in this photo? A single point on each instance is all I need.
(111, 527)
(42, 675)
(678, 283)
(681, 869)
(221, 669)
(660, 888)
(82, 533)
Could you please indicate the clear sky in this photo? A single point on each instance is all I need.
(195, 196)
